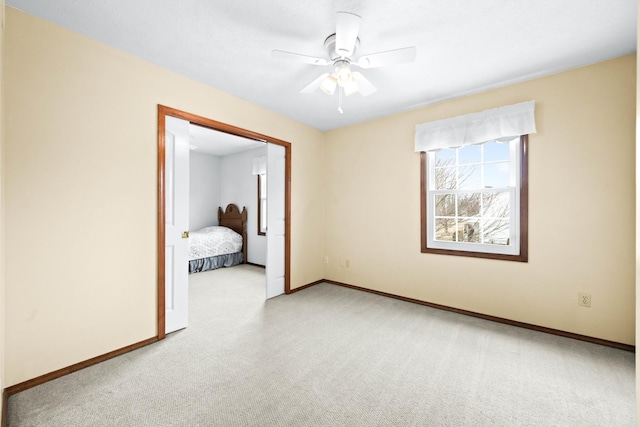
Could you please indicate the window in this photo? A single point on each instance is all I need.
(262, 204)
(260, 170)
(474, 183)
(474, 200)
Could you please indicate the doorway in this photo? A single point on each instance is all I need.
(282, 147)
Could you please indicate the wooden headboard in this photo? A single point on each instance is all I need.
(232, 218)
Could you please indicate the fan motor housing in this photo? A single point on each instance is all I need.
(330, 46)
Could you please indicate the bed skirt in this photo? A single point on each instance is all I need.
(211, 263)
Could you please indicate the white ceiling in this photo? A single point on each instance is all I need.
(209, 141)
(463, 46)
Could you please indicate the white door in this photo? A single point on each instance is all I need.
(176, 223)
(275, 219)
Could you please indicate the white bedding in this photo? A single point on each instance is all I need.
(213, 241)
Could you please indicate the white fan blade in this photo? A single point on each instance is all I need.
(290, 56)
(364, 86)
(347, 29)
(390, 57)
(314, 84)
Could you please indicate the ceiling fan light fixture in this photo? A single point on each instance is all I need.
(329, 84)
(350, 87)
(343, 72)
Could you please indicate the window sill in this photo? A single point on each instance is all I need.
(523, 257)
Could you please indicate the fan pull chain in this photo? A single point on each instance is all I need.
(340, 100)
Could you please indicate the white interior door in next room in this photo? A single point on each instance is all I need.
(176, 223)
(275, 220)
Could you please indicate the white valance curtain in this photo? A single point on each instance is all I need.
(502, 123)
(259, 166)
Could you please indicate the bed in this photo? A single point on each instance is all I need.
(224, 245)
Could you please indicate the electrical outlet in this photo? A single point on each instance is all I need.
(326, 259)
(346, 263)
(584, 299)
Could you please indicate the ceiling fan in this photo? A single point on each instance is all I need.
(341, 48)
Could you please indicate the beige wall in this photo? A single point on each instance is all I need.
(81, 192)
(581, 208)
(638, 215)
(2, 269)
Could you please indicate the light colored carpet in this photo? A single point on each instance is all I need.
(331, 356)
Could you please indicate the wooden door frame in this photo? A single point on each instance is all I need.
(233, 130)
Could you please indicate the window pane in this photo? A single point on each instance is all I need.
(496, 232)
(445, 178)
(469, 154)
(496, 205)
(469, 230)
(494, 151)
(263, 215)
(496, 175)
(445, 205)
(470, 176)
(446, 157)
(445, 229)
(469, 204)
